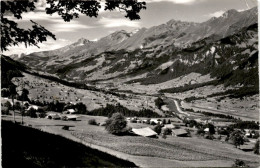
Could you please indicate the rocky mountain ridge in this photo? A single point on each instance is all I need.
(159, 53)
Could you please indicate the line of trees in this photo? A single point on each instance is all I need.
(110, 109)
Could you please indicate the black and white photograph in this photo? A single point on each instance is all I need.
(129, 83)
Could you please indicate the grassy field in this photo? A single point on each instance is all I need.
(183, 149)
(191, 150)
(28, 147)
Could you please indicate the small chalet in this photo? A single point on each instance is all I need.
(179, 132)
(206, 130)
(70, 118)
(33, 107)
(145, 132)
(53, 116)
(247, 147)
(169, 126)
(69, 111)
(156, 121)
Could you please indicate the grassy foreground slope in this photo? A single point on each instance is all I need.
(28, 147)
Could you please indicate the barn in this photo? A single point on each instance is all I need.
(145, 132)
(179, 132)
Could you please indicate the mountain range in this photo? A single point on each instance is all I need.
(225, 47)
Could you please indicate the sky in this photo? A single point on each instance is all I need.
(157, 12)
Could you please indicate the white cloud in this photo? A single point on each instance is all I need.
(217, 13)
(56, 23)
(72, 26)
(50, 44)
(36, 16)
(174, 1)
(118, 22)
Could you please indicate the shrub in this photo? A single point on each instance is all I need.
(164, 121)
(256, 135)
(32, 113)
(26, 105)
(65, 127)
(116, 124)
(159, 102)
(5, 110)
(237, 138)
(5, 92)
(158, 129)
(164, 136)
(148, 121)
(245, 125)
(167, 131)
(219, 137)
(200, 131)
(223, 132)
(209, 136)
(92, 122)
(133, 121)
(239, 163)
(8, 104)
(152, 123)
(193, 123)
(42, 114)
(211, 128)
(17, 106)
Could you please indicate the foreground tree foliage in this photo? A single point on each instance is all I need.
(11, 34)
(116, 124)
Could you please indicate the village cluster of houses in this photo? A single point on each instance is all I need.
(68, 115)
(176, 129)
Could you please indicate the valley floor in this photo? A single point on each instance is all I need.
(146, 152)
(142, 96)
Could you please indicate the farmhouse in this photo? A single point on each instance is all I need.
(53, 116)
(247, 147)
(33, 107)
(70, 118)
(206, 130)
(69, 111)
(179, 132)
(155, 121)
(146, 132)
(169, 126)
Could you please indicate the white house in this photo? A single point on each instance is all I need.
(33, 106)
(146, 132)
(69, 111)
(169, 126)
(70, 117)
(179, 132)
(53, 116)
(206, 129)
(155, 121)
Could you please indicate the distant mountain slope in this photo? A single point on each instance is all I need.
(225, 47)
